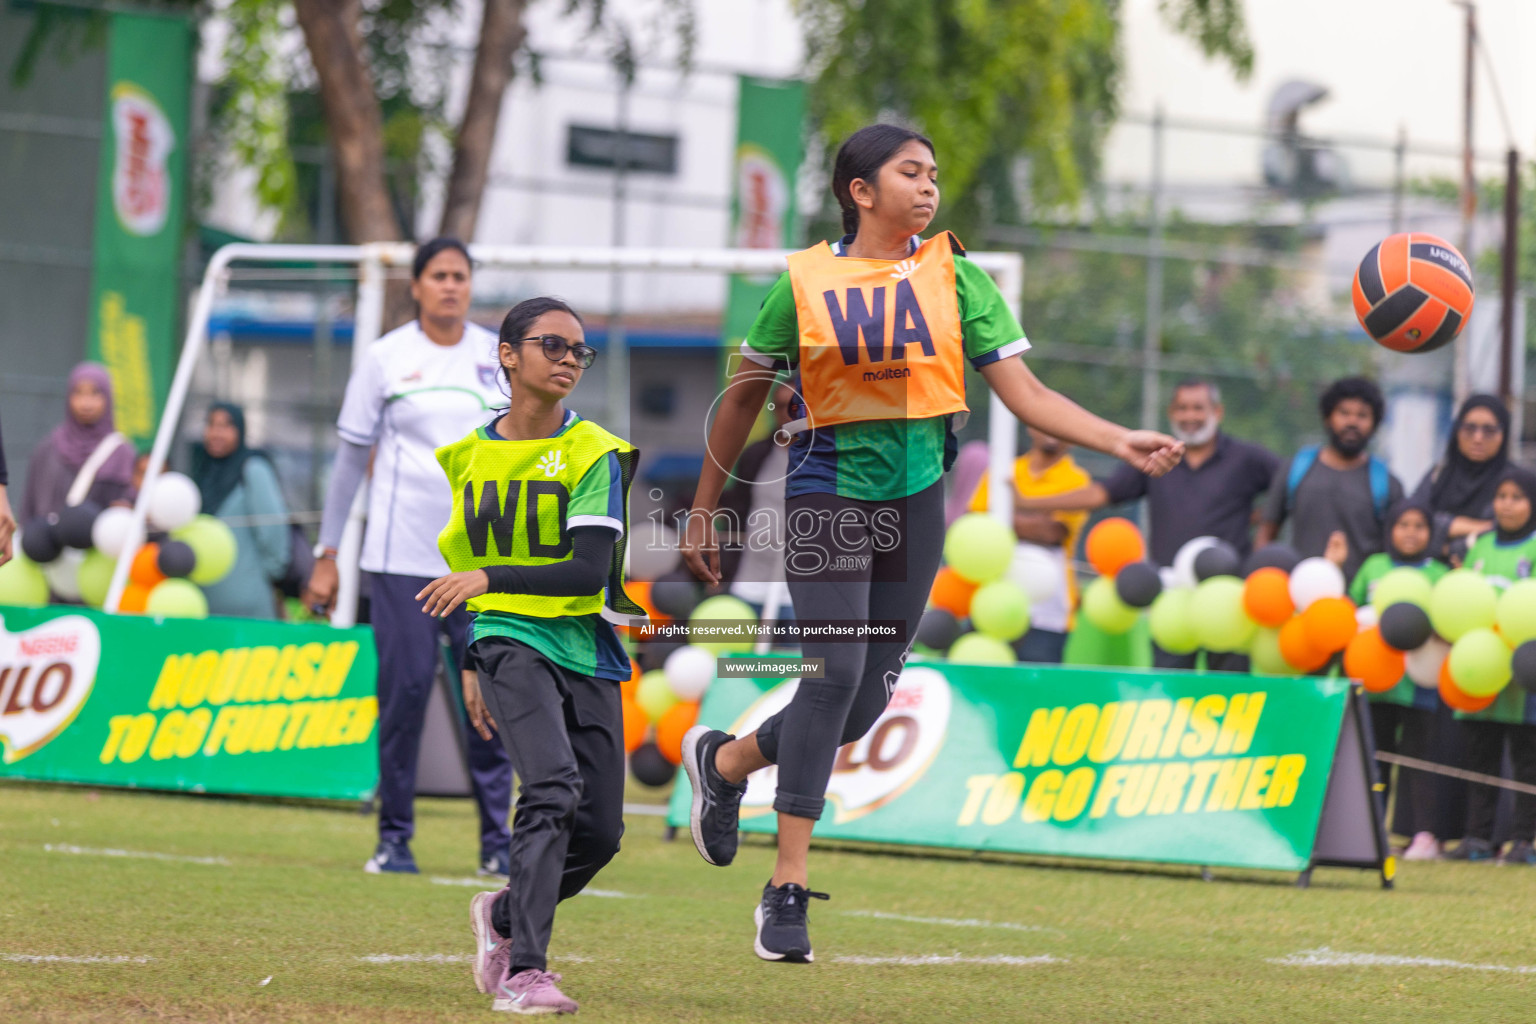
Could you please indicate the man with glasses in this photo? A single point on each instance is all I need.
(1336, 495)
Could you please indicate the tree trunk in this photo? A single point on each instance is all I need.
(501, 32)
(332, 34)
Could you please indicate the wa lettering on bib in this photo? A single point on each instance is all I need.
(879, 340)
(510, 505)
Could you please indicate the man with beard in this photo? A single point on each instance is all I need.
(1210, 494)
(1046, 469)
(1337, 493)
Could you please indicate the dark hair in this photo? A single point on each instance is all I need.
(1353, 387)
(862, 155)
(520, 317)
(427, 250)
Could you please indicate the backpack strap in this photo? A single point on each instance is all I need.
(1381, 487)
(86, 478)
(1301, 464)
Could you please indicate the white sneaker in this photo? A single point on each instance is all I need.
(1424, 847)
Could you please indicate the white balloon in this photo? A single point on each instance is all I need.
(1184, 561)
(689, 671)
(174, 501)
(1314, 578)
(1424, 663)
(1366, 616)
(652, 551)
(1034, 571)
(63, 574)
(109, 533)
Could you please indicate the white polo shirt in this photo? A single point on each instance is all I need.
(408, 398)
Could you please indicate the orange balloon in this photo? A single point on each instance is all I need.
(669, 731)
(1330, 623)
(1114, 544)
(135, 599)
(627, 687)
(144, 571)
(952, 592)
(635, 724)
(1267, 597)
(1453, 695)
(1371, 663)
(1297, 649)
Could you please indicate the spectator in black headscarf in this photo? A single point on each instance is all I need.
(1459, 491)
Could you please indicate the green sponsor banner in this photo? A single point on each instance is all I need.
(769, 148)
(140, 199)
(1123, 764)
(210, 705)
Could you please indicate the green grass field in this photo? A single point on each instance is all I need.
(277, 891)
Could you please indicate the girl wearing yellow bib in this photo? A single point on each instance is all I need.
(881, 326)
(536, 548)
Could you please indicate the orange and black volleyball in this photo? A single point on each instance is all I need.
(1413, 292)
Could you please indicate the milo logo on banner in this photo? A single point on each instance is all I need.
(143, 141)
(874, 770)
(762, 190)
(46, 673)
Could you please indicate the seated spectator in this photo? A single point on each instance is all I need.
(239, 484)
(84, 458)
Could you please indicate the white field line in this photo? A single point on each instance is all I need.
(140, 854)
(491, 884)
(950, 922)
(937, 960)
(1325, 957)
(451, 958)
(646, 810)
(30, 958)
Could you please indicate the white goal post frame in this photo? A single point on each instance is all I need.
(376, 260)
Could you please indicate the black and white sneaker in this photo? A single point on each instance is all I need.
(781, 923)
(716, 802)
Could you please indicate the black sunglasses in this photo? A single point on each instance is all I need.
(555, 348)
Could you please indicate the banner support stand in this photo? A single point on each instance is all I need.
(1352, 830)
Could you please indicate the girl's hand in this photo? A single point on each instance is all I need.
(446, 593)
(701, 549)
(474, 705)
(1148, 451)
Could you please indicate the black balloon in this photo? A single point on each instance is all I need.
(75, 524)
(176, 559)
(40, 539)
(1404, 626)
(1276, 556)
(650, 767)
(1523, 665)
(675, 597)
(938, 629)
(1139, 583)
(1220, 559)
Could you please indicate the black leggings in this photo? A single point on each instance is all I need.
(854, 561)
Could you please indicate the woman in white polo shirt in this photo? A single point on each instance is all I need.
(421, 386)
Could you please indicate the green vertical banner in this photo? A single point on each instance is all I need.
(769, 148)
(140, 199)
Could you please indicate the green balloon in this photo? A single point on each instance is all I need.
(1105, 610)
(1480, 663)
(1264, 654)
(22, 583)
(1516, 613)
(1402, 586)
(720, 609)
(979, 547)
(654, 694)
(1172, 622)
(1461, 602)
(213, 544)
(980, 649)
(1000, 610)
(95, 577)
(1221, 622)
(176, 599)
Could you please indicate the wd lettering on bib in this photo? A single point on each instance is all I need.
(879, 340)
(489, 518)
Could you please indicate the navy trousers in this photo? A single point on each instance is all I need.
(409, 646)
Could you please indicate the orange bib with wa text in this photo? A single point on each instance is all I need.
(879, 339)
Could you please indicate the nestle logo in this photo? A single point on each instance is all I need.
(43, 646)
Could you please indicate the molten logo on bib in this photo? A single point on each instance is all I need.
(875, 769)
(46, 674)
(143, 140)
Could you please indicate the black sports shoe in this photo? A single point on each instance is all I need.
(1520, 852)
(780, 917)
(716, 802)
(1473, 850)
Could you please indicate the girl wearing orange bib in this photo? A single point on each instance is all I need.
(880, 326)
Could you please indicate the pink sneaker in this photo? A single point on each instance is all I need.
(1424, 847)
(492, 953)
(532, 991)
